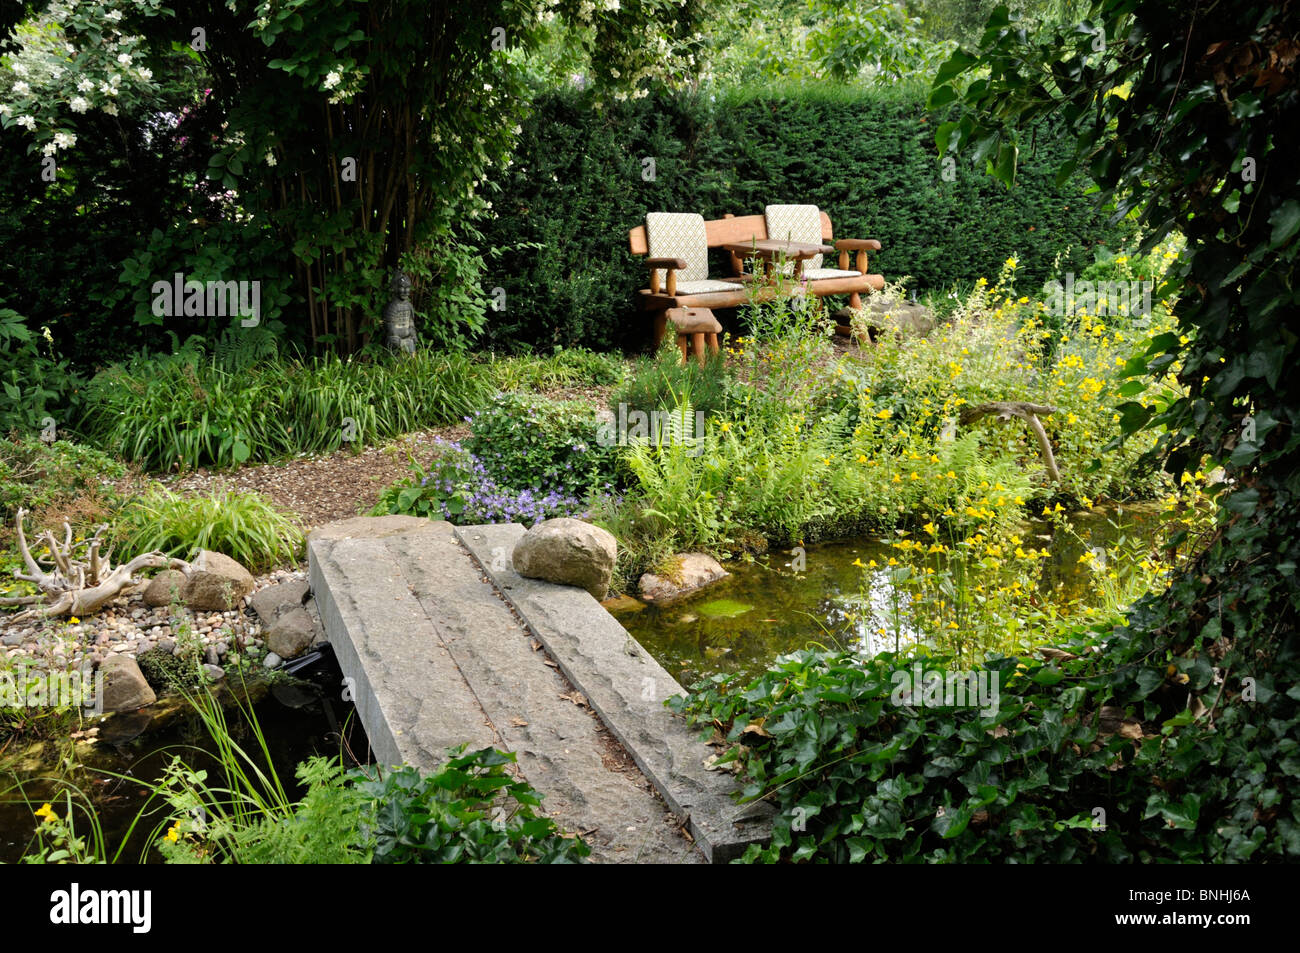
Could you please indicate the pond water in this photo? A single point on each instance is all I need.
(300, 715)
(766, 608)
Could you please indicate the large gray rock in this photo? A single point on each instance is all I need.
(124, 687)
(216, 582)
(291, 633)
(569, 552)
(690, 572)
(273, 601)
(164, 587)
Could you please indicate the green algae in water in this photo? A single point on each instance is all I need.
(724, 609)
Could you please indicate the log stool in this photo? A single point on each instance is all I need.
(695, 326)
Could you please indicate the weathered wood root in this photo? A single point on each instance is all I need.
(76, 586)
(1004, 410)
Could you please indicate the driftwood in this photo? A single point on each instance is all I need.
(1004, 410)
(77, 584)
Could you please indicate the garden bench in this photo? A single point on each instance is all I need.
(677, 246)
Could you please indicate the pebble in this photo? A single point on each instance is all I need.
(272, 660)
(214, 672)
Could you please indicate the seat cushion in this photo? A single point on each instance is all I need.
(679, 235)
(705, 286)
(795, 223)
(816, 274)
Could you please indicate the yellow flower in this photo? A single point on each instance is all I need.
(724, 426)
(74, 620)
(858, 562)
(174, 834)
(885, 414)
(871, 564)
(931, 529)
(47, 813)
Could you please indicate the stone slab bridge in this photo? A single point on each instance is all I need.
(442, 642)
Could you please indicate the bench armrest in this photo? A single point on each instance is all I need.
(665, 262)
(859, 245)
(671, 266)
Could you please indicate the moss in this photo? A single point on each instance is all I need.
(163, 670)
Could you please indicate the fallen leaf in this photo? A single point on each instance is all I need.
(518, 722)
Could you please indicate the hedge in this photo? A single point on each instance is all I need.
(576, 187)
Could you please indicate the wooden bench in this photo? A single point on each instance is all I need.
(661, 296)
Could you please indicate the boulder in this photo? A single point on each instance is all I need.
(216, 582)
(689, 572)
(273, 601)
(124, 685)
(291, 633)
(164, 587)
(569, 552)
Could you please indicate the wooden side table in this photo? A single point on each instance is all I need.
(695, 327)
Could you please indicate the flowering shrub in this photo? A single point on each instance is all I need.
(457, 487)
(532, 443)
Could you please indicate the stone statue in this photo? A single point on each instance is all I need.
(399, 316)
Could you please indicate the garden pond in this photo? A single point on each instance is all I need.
(830, 597)
(299, 715)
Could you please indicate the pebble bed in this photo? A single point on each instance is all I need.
(128, 626)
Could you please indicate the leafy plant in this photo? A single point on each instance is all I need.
(470, 810)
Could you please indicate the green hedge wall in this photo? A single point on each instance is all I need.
(576, 188)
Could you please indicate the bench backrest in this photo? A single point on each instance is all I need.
(722, 231)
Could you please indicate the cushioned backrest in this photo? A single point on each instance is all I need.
(679, 235)
(796, 223)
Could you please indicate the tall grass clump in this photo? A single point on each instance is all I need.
(190, 409)
(248, 527)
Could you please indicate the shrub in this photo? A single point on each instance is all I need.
(533, 443)
(36, 388)
(245, 526)
(34, 473)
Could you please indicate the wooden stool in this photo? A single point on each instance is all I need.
(696, 326)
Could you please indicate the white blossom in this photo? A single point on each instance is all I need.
(332, 79)
(19, 69)
(65, 140)
(85, 85)
(124, 59)
(26, 121)
(21, 88)
(113, 15)
(110, 108)
(145, 74)
(79, 104)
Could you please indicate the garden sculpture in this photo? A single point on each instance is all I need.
(399, 316)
